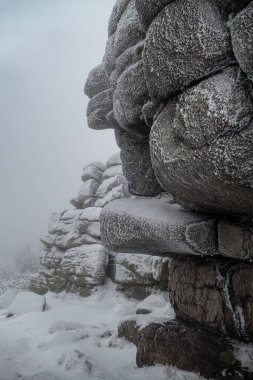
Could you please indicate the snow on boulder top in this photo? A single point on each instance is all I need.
(97, 165)
(113, 171)
(92, 172)
(91, 214)
(114, 160)
(26, 302)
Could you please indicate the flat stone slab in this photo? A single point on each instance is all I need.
(156, 226)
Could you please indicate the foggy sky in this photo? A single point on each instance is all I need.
(47, 48)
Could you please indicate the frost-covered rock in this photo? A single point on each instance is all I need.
(114, 160)
(54, 221)
(242, 39)
(88, 190)
(112, 171)
(118, 192)
(92, 214)
(89, 228)
(85, 264)
(173, 61)
(93, 171)
(26, 302)
(137, 167)
(137, 269)
(207, 168)
(99, 107)
(72, 257)
(171, 67)
(97, 81)
(213, 293)
(155, 226)
(109, 184)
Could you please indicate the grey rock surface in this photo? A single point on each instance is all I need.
(155, 226)
(187, 347)
(148, 9)
(136, 163)
(242, 39)
(99, 107)
(97, 81)
(207, 168)
(137, 269)
(173, 60)
(214, 294)
(236, 240)
(129, 96)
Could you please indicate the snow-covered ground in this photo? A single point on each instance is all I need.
(77, 338)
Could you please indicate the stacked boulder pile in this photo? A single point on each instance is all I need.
(176, 85)
(74, 259)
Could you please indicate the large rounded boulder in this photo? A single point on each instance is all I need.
(201, 145)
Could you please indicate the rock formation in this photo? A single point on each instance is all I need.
(176, 86)
(73, 257)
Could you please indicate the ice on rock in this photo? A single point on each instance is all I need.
(26, 302)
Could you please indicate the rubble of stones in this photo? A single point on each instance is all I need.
(176, 85)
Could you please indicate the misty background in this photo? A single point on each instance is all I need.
(47, 48)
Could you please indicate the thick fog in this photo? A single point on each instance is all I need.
(47, 48)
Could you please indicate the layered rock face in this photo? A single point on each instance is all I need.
(73, 257)
(176, 85)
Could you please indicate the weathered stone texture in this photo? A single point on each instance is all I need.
(207, 168)
(242, 39)
(72, 256)
(186, 347)
(236, 239)
(186, 42)
(213, 293)
(155, 226)
(137, 165)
